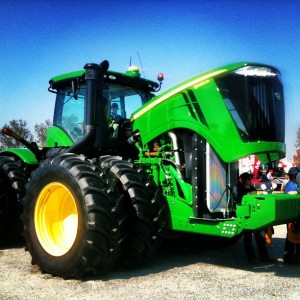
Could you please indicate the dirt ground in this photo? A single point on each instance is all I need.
(182, 272)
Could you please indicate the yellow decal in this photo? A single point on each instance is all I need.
(201, 83)
(196, 83)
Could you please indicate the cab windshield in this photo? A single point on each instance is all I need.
(69, 112)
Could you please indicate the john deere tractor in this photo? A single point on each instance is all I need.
(124, 168)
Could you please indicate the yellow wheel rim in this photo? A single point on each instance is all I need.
(56, 219)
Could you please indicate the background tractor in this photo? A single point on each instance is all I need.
(112, 183)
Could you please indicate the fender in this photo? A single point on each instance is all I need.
(23, 153)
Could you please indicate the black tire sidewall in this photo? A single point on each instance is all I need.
(12, 186)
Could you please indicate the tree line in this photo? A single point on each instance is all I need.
(20, 127)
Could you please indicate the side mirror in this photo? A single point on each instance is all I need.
(75, 90)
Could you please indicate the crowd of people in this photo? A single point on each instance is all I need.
(290, 185)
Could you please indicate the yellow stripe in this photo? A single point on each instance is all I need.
(173, 92)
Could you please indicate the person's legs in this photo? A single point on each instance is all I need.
(289, 249)
(261, 246)
(297, 254)
(249, 247)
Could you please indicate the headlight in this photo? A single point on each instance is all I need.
(256, 71)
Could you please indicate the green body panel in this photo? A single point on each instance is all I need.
(256, 211)
(196, 105)
(183, 220)
(56, 137)
(23, 153)
(270, 209)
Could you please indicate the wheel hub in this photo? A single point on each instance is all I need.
(56, 219)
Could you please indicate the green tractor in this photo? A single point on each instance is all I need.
(124, 168)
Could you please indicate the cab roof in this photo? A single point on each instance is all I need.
(63, 80)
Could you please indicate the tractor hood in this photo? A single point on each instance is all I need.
(238, 109)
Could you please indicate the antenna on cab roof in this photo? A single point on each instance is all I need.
(141, 65)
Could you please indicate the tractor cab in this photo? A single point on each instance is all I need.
(116, 98)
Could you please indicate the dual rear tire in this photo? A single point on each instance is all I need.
(83, 217)
(70, 225)
(142, 225)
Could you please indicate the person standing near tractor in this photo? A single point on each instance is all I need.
(291, 186)
(245, 187)
(284, 182)
(292, 241)
(270, 175)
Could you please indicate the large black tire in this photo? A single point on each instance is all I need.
(71, 227)
(127, 186)
(12, 190)
(56, 151)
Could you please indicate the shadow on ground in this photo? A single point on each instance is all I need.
(12, 243)
(191, 250)
(194, 250)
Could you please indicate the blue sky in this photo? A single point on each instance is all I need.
(42, 39)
